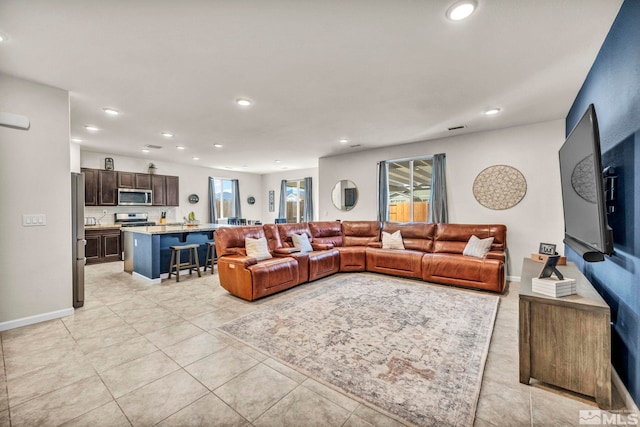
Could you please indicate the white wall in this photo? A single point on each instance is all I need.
(193, 180)
(35, 179)
(532, 149)
(272, 182)
(74, 153)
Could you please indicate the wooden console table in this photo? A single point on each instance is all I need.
(565, 342)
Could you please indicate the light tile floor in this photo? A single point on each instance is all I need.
(144, 355)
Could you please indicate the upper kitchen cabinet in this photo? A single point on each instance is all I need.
(140, 181)
(158, 186)
(107, 188)
(90, 187)
(101, 187)
(172, 191)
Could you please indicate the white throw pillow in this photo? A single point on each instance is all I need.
(392, 241)
(257, 248)
(301, 241)
(478, 247)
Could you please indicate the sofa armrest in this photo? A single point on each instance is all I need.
(285, 251)
(499, 255)
(321, 246)
(374, 245)
(239, 260)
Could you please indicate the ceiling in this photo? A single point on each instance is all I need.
(378, 72)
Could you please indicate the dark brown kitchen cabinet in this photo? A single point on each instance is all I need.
(101, 187)
(172, 187)
(143, 181)
(90, 187)
(103, 245)
(158, 186)
(107, 188)
(140, 181)
(126, 180)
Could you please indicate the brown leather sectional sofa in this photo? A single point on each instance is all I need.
(433, 252)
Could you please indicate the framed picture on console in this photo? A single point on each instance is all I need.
(547, 249)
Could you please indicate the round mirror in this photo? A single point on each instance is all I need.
(345, 195)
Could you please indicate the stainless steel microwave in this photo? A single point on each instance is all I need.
(133, 197)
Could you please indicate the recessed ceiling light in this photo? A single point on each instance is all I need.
(167, 134)
(111, 111)
(3, 38)
(492, 111)
(343, 140)
(76, 139)
(145, 150)
(179, 147)
(196, 158)
(91, 128)
(461, 10)
(244, 102)
(217, 145)
(277, 161)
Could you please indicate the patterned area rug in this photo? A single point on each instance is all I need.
(410, 348)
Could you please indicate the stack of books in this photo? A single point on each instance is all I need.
(554, 287)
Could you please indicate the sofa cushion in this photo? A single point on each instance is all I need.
(301, 241)
(453, 238)
(459, 270)
(257, 248)
(392, 240)
(405, 263)
(326, 232)
(478, 248)
(287, 230)
(360, 233)
(416, 236)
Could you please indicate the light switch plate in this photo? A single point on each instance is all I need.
(34, 220)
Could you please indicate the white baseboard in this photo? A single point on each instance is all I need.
(513, 278)
(146, 279)
(30, 320)
(624, 393)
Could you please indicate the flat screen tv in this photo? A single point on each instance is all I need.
(585, 212)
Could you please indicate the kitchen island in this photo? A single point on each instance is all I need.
(147, 250)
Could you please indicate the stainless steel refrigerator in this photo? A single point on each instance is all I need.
(78, 241)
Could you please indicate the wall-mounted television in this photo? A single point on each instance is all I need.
(585, 212)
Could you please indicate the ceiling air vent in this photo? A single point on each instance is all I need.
(155, 147)
(457, 127)
(355, 145)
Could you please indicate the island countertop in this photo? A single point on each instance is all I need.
(169, 229)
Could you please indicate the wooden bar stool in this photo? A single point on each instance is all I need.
(211, 258)
(175, 256)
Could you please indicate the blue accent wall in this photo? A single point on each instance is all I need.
(613, 86)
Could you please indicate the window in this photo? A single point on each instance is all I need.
(295, 200)
(409, 189)
(223, 197)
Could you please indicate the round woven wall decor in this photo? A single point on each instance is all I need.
(499, 187)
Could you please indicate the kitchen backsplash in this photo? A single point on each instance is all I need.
(154, 213)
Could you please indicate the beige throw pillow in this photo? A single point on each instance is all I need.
(392, 241)
(478, 248)
(257, 248)
(301, 241)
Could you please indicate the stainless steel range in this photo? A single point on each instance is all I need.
(130, 220)
(133, 219)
